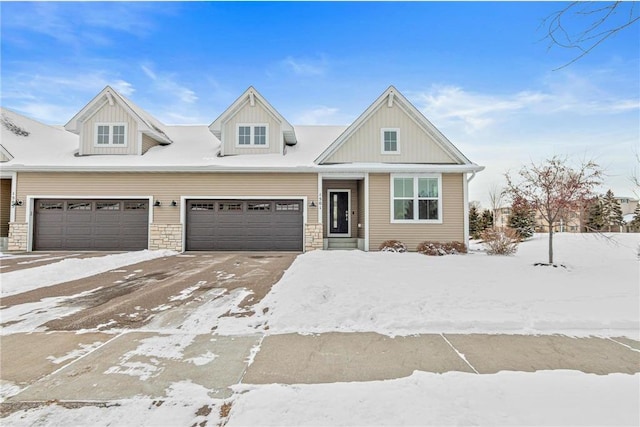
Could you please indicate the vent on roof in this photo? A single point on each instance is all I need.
(12, 127)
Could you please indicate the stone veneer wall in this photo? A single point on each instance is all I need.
(166, 236)
(312, 237)
(18, 232)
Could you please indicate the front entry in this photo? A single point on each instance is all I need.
(339, 218)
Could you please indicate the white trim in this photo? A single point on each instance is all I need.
(30, 210)
(465, 200)
(252, 129)
(339, 190)
(139, 143)
(320, 182)
(94, 112)
(366, 212)
(183, 211)
(110, 144)
(415, 199)
(382, 150)
(14, 185)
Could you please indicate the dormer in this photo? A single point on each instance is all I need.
(252, 126)
(112, 124)
(392, 130)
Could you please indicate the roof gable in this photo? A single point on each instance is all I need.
(394, 99)
(252, 96)
(146, 122)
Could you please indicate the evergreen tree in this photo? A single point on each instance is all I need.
(635, 222)
(596, 221)
(611, 211)
(474, 222)
(487, 220)
(522, 218)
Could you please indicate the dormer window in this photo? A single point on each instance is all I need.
(253, 135)
(390, 140)
(111, 135)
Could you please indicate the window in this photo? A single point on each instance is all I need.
(253, 135)
(202, 206)
(79, 206)
(108, 206)
(287, 206)
(230, 207)
(416, 198)
(390, 141)
(111, 134)
(258, 206)
(51, 206)
(135, 206)
(244, 135)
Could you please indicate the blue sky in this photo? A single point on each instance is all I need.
(479, 71)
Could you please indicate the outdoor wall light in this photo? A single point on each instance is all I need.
(174, 203)
(17, 203)
(312, 204)
(157, 203)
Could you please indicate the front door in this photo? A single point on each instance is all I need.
(339, 218)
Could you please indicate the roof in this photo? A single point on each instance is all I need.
(249, 96)
(148, 124)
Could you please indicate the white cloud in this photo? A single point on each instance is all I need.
(167, 83)
(306, 66)
(317, 116)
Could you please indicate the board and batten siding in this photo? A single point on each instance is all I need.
(109, 114)
(166, 187)
(5, 206)
(365, 144)
(247, 114)
(147, 143)
(381, 228)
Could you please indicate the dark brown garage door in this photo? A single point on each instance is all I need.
(244, 225)
(103, 225)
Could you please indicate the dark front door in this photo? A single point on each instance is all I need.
(339, 213)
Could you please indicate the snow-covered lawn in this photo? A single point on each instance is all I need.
(71, 269)
(598, 292)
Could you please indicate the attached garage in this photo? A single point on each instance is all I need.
(103, 225)
(245, 225)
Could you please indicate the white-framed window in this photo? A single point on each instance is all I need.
(111, 135)
(390, 140)
(416, 198)
(253, 135)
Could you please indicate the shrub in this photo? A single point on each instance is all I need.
(392, 246)
(500, 242)
(440, 248)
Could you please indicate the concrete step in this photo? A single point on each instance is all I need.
(343, 243)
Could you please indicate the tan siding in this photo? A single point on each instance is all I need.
(341, 185)
(381, 228)
(3, 157)
(247, 115)
(147, 143)
(109, 114)
(365, 145)
(5, 206)
(167, 187)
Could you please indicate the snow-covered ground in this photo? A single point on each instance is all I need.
(596, 293)
(71, 269)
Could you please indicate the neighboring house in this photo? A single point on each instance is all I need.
(115, 178)
(570, 222)
(627, 204)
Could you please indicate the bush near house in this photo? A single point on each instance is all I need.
(392, 246)
(500, 242)
(440, 248)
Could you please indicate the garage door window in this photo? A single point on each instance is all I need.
(135, 206)
(230, 207)
(287, 206)
(49, 206)
(108, 206)
(79, 206)
(202, 207)
(259, 206)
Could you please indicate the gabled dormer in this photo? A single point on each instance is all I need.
(112, 124)
(392, 130)
(252, 126)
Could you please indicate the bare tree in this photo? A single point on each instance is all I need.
(496, 194)
(582, 26)
(554, 188)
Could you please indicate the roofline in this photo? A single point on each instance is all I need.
(344, 167)
(413, 112)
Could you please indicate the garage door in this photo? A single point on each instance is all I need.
(108, 225)
(238, 225)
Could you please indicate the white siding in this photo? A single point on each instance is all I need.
(416, 146)
(247, 114)
(109, 114)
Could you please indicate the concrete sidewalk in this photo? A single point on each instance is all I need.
(147, 363)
